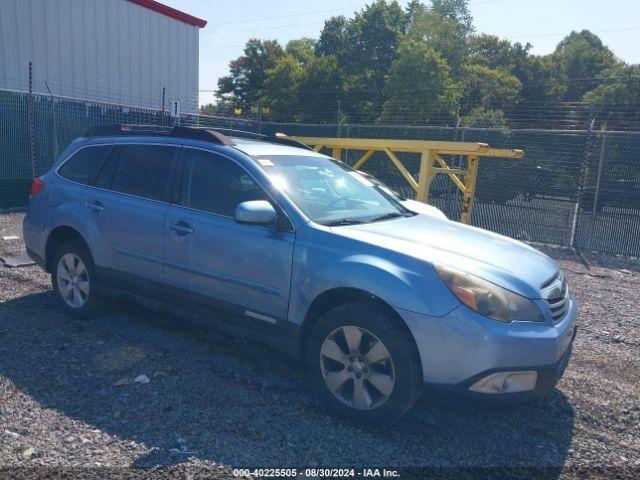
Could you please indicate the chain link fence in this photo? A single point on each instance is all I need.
(574, 188)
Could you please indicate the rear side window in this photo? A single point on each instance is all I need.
(143, 171)
(215, 184)
(83, 167)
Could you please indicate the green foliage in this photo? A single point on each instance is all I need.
(483, 118)
(319, 88)
(578, 60)
(333, 38)
(493, 52)
(455, 10)
(445, 27)
(421, 64)
(618, 95)
(372, 39)
(280, 88)
(248, 72)
(618, 84)
(221, 108)
(302, 49)
(539, 79)
(484, 87)
(420, 89)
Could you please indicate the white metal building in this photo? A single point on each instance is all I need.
(116, 51)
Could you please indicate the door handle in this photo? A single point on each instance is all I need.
(95, 206)
(181, 228)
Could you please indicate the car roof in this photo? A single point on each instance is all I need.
(257, 148)
(250, 143)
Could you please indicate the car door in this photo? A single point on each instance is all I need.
(128, 204)
(237, 271)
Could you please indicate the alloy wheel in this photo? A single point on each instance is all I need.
(73, 280)
(357, 367)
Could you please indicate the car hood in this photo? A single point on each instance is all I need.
(496, 258)
(423, 208)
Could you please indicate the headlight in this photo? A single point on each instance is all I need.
(487, 298)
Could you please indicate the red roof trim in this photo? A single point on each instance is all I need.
(170, 12)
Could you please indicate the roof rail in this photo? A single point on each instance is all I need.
(277, 138)
(195, 133)
(219, 136)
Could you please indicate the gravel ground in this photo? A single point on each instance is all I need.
(217, 403)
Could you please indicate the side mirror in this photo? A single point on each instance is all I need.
(257, 212)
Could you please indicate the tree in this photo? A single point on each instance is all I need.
(426, 62)
(484, 118)
(486, 87)
(364, 47)
(333, 38)
(320, 87)
(420, 88)
(280, 88)
(248, 72)
(456, 10)
(540, 82)
(302, 49)
(618, 95)
(579, 59)
(493, 52)
(445, 27)
(223, 107)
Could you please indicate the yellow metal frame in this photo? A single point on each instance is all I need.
(431, 161)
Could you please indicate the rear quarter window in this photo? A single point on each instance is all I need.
(143, 171)
(83, 167)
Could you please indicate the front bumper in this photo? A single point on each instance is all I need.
(461, 348)
(547, 378)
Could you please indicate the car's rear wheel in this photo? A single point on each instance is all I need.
(364, 363)
(73, 279)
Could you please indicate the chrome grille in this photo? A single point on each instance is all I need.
(556, 294)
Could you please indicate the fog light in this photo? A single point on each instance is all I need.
(506, 382)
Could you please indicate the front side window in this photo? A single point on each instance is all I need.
(83, 167)
(215, 184)
(143, 171)
(331, 192)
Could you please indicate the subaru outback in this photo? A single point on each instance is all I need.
(265, 238)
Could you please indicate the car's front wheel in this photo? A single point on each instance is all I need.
(73, 279)
(364, 363)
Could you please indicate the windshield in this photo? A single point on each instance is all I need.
(385, 188)
(331, 192)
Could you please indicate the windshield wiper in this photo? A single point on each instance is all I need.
(389, 216)
(343, 221)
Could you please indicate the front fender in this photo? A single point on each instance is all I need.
(401, 281)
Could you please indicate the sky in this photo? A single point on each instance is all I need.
(543, 23)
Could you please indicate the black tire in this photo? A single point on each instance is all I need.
(91, 303)
(400, 345)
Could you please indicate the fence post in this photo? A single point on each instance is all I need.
(452, 188)
(54, 122)
(31, 121)
(260, 116)
(339, 121)
(594, 211)
(581, 182)
(162, 110)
